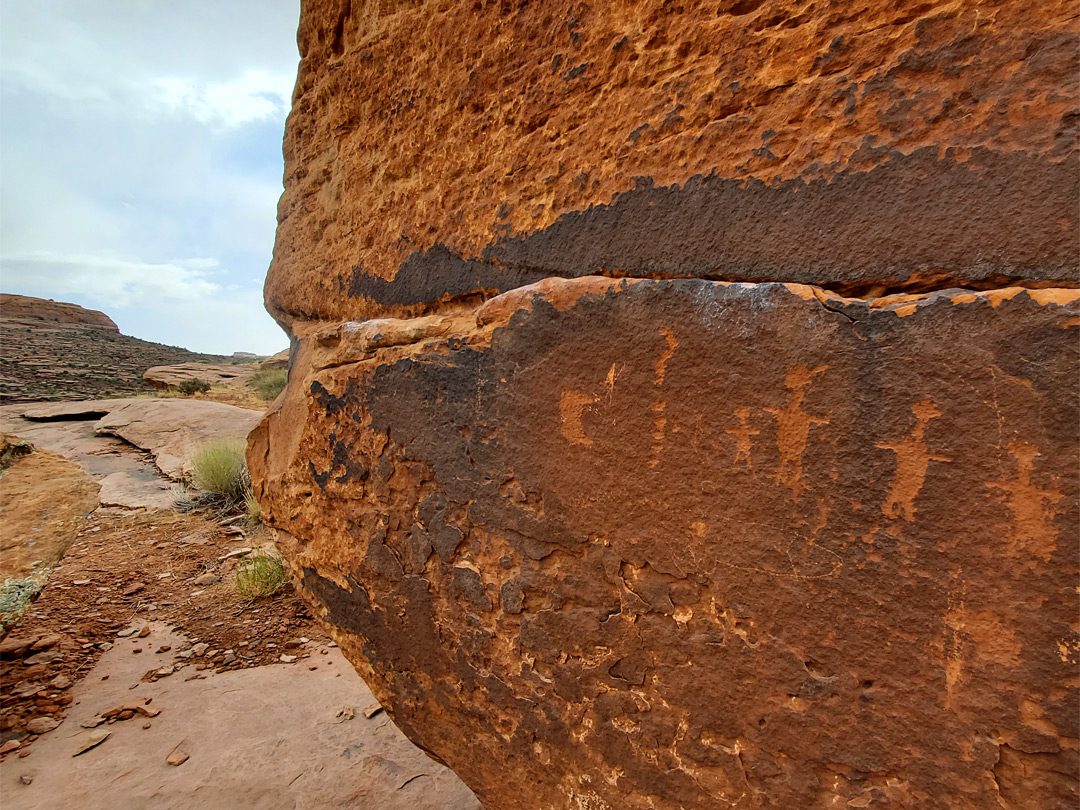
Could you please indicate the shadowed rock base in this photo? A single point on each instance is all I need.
(672, 544)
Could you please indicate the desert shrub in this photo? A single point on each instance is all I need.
(261, 574)
(270, 382)
(193, 386)
(220, 467)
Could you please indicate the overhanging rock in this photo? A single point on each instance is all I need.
(607, 509)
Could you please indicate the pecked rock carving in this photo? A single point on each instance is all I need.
(682, 405)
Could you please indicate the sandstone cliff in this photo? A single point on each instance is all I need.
(682, 408)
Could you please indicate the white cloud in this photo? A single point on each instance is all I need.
(142, 161)
(253, 96)
(110, 281)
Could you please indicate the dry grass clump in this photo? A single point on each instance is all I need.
(193, 386)
(220, 468)
(270, 382)
(262, 574)
(251, 507)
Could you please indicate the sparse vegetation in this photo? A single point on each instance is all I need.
(12, 449)
(261, 574)
(220, 468)
(252, 507)
(16, 594)
(193, 386)
(270, 382)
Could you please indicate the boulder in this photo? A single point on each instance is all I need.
(163, 377)
(277, 361)
(683, 411)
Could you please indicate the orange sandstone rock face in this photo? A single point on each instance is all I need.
(452, 146)
(682, 406)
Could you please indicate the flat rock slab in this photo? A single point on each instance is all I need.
(265, 738)
(45, 499)
(127, 477)
(138, 489)
(170, 429)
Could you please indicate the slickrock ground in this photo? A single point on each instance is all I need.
(682, 401)
(141, 614)
(62, 351)
(171, 430)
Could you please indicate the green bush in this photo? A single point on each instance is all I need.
(193, 386)
(271, 382)
(220, 467)
(262, 574)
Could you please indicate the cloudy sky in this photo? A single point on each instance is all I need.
(140, 161)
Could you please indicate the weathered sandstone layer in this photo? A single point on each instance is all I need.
(682, 406)
(45, 309)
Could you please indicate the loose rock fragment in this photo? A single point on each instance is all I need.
(177, 757)
(92, 740)
(41, 725)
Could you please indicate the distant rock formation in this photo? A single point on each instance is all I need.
(50, 350)
(277, 361)
(682, 409)
(163, 377)
(45, 309)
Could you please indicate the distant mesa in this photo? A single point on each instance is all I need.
(45, 309)
(51, 350)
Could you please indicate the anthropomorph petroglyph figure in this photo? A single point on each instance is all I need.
(793, 428)
(912, 461)
(1031, 507)
(743, 435)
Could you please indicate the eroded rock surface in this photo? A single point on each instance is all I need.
(45, 309)
(172, 430)
(213, 373)
(682, 401)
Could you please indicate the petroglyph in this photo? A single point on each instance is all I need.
(659, 421)
(793, 428)
(1032, 507)
(743, 435)
(912, 462)
(571, 404)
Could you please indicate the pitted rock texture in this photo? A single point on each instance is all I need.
(682, 399)
(438, 148)
(662, 544)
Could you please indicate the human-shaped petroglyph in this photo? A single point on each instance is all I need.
(912, 461)
(1032, 507)
(793, 428)
(743, 435)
